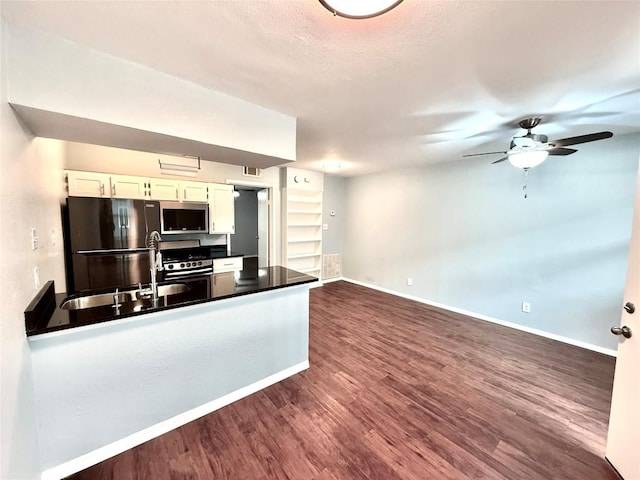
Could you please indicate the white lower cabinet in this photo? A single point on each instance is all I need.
(229, 264)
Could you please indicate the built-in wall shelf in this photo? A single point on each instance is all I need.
(302, 199)
(305, 240)
(305, 255)
(302, 225)
(310, 270)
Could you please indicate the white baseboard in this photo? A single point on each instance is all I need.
(135, 439)
(478, 316)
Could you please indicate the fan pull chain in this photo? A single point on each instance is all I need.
(524, 187)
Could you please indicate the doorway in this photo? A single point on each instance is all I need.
(251, 237)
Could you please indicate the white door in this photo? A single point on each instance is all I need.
(623, 441)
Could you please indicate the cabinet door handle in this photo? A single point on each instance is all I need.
(102, 189)
(177, 194)
(113, 190)
(185, 193)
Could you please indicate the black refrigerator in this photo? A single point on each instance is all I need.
(106, 242)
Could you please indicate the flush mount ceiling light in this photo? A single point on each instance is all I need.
(331, 165)
(358, 9)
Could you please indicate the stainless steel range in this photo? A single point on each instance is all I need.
(185, 258)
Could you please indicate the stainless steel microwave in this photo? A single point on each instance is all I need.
(187, 217)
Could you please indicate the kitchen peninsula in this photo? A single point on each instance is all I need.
(106, 384)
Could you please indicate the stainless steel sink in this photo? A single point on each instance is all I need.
(117, 299)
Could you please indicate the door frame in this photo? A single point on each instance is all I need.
(623, 430)
(271, 248)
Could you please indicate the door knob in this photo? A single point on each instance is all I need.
(629, 307)
(624, 331)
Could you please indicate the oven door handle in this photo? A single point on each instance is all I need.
(189, 273)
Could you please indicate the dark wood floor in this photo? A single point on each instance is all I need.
(400, 390)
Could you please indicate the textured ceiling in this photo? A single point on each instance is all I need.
(427, 82)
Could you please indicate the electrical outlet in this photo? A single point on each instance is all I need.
(53, 237)
(410, 281)
(325, 226)
(526, 307)
(36, 277)
(332, 213)
(34, 232)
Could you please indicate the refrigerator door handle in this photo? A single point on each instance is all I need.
(113, 251)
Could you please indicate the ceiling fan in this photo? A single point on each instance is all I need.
(532, 149)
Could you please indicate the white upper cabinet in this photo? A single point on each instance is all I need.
(162, 189)
(221, 208)
(88, 184)
(177, 191)
(125, 186)
(194, 192)
(218, 196)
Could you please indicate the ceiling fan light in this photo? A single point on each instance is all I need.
(528, 159)
(359, 8)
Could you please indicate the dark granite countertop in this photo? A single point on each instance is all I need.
(214, 253)
(202, 289)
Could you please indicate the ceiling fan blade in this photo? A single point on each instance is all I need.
(486, 153)
(561, 151)
(591, 137)
(501, 160)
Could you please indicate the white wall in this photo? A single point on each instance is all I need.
(333, 199)
(30, 189)
(468, 238)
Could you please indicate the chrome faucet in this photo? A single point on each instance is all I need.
(155, 260)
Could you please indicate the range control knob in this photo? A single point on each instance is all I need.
(182, 265)
(199, 263)
(170, 267)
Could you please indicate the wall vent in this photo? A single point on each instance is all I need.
(331, 266)
(250, 171)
